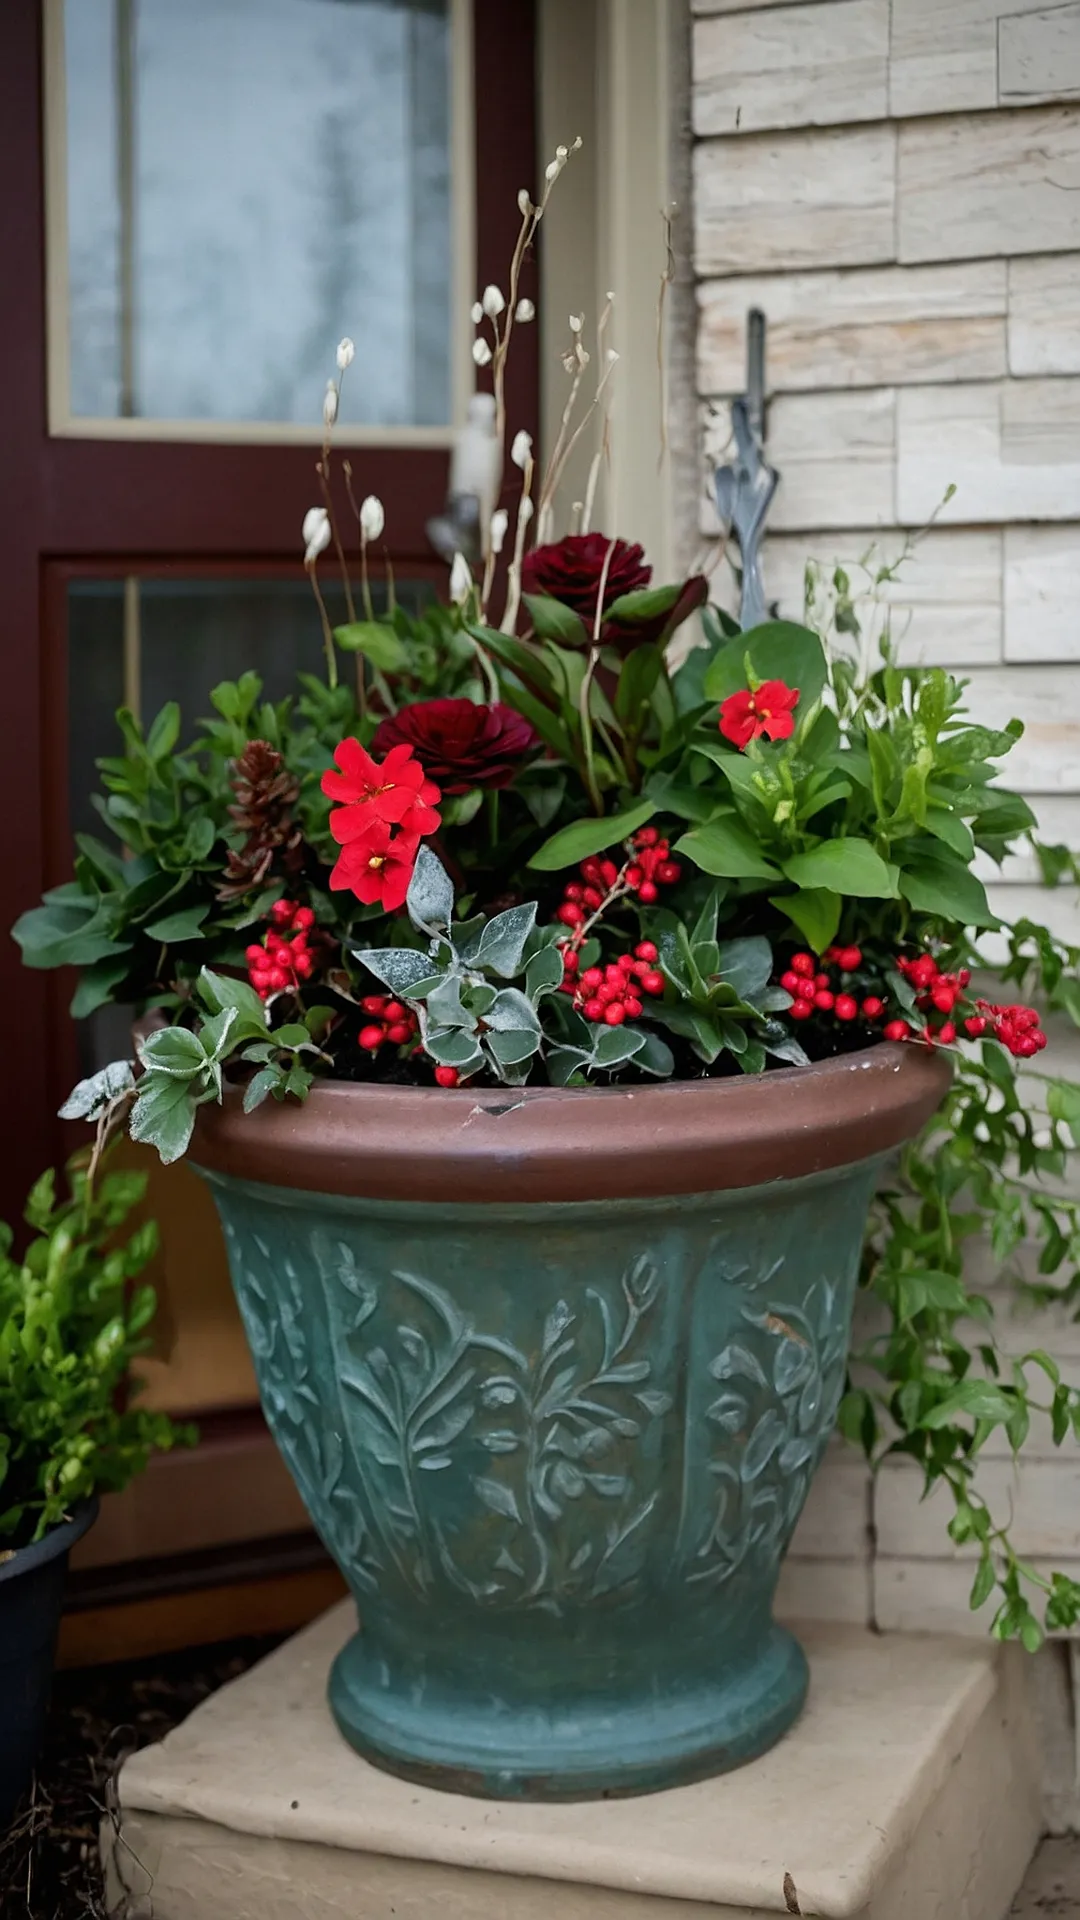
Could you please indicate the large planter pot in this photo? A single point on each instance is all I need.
(553, 1371)
(31, 1593)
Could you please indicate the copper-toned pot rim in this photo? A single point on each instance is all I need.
(543, 1144)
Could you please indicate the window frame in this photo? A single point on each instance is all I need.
(63, 424)
(150, 503)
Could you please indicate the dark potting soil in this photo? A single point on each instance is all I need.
(49, 1866)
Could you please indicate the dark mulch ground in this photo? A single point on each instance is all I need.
(49, 1855)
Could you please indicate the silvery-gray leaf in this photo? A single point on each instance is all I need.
(430, 899)
(399, 968)
(91, 1097)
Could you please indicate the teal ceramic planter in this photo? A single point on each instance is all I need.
(558, 1446)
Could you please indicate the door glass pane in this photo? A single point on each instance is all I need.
(247, 181)
(148, 641)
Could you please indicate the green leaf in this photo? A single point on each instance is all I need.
(217, 991)
(552, 621)
(267, 1080)
(951, 829)
(451, 1047)
(640, 672)
(777, 650)
(814, 911)
(164, 1116)
(512, 1012)
(586, 837)
(511, 1045)
(186, 924)
(164, 732)
(1063, 1103)
(849, 866)
(745, 964)
(173, 1051)
(544, 972)
(726, 849)
(376, 641)
(96, 986)
(983, 1584)
(615, 1045)
(947, 890)
(655, 1056)
(66, 936)
(980, 1399)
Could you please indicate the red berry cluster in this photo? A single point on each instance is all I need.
(937, 993)
(612, 993)
(814, 990)
(1016, 1027)
(284, 958)
(650, 868)
(653, 866)
(389, 1023)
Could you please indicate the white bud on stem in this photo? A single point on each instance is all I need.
(525, 205)
(493, 302)
(329, 405)
(315, 533)
(577, 321)
(345, 353)
(521, 450)
(524, 310)
(476, 313)
(500, 520)
(481, 353)
(461, 580)
(372, 517)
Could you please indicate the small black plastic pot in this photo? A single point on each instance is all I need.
(31, 1594)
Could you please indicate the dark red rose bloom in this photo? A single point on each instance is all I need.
(570, 570)
(460, 743)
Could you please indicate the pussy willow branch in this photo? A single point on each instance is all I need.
(513, 583)
(586, 684)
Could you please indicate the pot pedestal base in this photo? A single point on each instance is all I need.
(907, 1790)
(585, 1752)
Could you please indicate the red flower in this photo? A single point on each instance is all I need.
(571, 571)
(460, 743)
(768, 710)
(396, 792)
(377, 866)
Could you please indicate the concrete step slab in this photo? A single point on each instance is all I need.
(907, 1791)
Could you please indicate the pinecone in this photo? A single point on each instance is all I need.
(265, 794)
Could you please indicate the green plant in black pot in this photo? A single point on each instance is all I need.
(73, 1316)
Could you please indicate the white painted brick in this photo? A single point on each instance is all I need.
(794, 66)
(877, 327)
(1044, 314)
(1057, 908)
(1043, 1497)
(943, 54)
(1039, 56)
(836, 454)
(839, 1590)
(1012, 450)
(977, 185)
(1042, 593)
(836, 457)
(944, 609)
(835, 1524)
(743, 6)
(789, 200)
(931, 1596)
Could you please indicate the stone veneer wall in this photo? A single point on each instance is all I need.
(897, 184)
